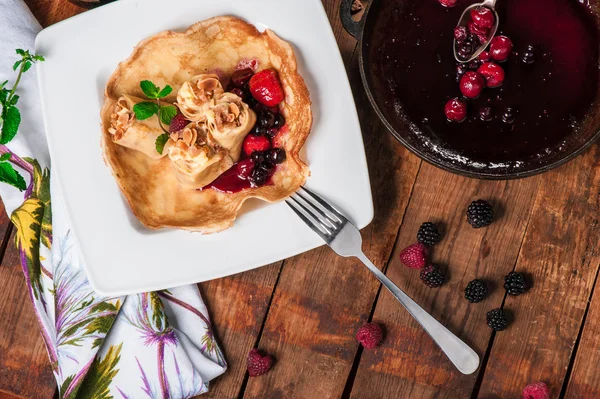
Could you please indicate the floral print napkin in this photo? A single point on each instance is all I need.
(151, 345)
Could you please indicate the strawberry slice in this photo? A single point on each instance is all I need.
(266, 88)
(253, 143)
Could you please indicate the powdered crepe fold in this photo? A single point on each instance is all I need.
(151, 183)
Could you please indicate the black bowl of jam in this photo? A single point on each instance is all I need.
(546, 111)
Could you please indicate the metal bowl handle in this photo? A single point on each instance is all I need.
(355, 28)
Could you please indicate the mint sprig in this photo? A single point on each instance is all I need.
(147, 109)
(10, 117)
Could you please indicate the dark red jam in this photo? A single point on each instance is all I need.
(551, 78)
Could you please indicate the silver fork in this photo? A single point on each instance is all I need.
(345, 239)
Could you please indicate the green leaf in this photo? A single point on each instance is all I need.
(10, 176)
(14, 100)
(167, 113)
(3, 84)
(17, 64)
(21, 52)
(165, 92)
(145, 110)
(97, 382)
(39, 58)
(3, 95)
(11, 118)
(5, 157)
(27, 66)
(149, 89)
(161, 141)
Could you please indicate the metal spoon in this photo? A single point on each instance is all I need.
(465, 18)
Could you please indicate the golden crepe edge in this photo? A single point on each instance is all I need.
(210, 211)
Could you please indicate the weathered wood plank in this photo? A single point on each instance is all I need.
(24, 367)
(561, 252)
(49, 12)
(4, 395)
(322, 299)
(238, 306)
(409, 364)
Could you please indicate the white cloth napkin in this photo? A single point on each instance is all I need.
(155, 345)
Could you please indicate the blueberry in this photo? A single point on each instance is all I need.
(508, 116)
(485, 114)
(258, 177)
(279, 121)
(259, 130)
(258, 157)
(277, 155)
(528, 56)
(268, 167)
(266, 119)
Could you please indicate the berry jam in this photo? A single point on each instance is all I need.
(551, 79)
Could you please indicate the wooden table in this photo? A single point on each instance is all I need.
(306, 310)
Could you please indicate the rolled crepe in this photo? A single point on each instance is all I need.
(128, 131)
(197, 158)
(196, 95)
(229, 121)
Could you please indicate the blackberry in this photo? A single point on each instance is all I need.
(432, 276)
(485, 114)
(515, 284)
(428, 234)
(508, 116)
(496, 319)
(476, 290)
(480, 214)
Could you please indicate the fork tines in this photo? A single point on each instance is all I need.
(323, 218)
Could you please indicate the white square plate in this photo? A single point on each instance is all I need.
(121, 256)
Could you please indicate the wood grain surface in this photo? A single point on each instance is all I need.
(305, 310)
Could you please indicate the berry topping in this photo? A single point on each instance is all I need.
(508, 116)
(370, 335)
(238, 92)
(448, 3)
(460, 33)
(484, 56)
(432, 276)
(277, 155)
(253, 143)
(483, 17)
(496, 319)
(500, 48)
(471, 84)
(515, 284)
(245, 168)
(257, 363)
(476, 291)
(480, 214)
(266, 119)
(492, 73)
(241, 77)
(279, 121)
(537, 390)
(178, 123)
(478, 30)
(428, 234)
(485, 114)
(414, 256)
(528, 56)
(247, 64)
(266, 88)
(455, 110)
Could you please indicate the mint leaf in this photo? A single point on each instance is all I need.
(14, 100)
(5, 157)
(167, 113)
(161, 141)
(17, 64)
(3, 95)
(27, 66)
(145, 110)
(39, 58)
(165, 92)
(149, 89)
(21, 52)
(3, 84)
(11, 119)
(10, 176)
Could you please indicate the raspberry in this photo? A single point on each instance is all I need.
(460, 33)
(370, 335)
(537, 390)
(257, 363)
(432, 276)
(253, 143)
(414, 256)
(178, 123)
(266, 88)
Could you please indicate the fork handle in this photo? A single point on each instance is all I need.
(460, 354)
